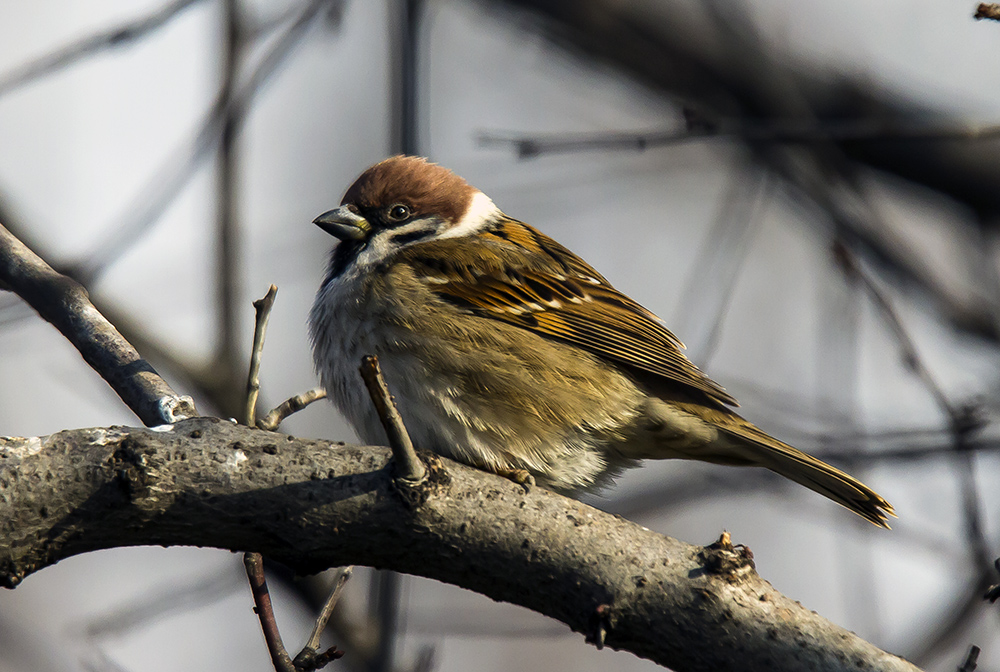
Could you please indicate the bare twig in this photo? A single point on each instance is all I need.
(65, 304)
(291, 405)
(309, 656)
(409, 466)
(262, 307)
(988, 10)
(108, 39)
(265, 612)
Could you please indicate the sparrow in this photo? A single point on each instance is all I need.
(508, 352)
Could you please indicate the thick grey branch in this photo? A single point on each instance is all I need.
(314, 505)
(65, 303)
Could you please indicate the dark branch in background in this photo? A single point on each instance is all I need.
(226, 224)
(64, 303)
(787, 132)
(168, 182)
(963, 423)
(683, 606)
(386, 588)
(713, 62)
(72, 53)
(962, 419)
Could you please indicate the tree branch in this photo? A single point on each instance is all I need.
(312, 505)
(65, 304)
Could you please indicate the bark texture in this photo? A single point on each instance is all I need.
(312, 505)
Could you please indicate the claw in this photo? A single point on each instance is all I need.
(519, 476)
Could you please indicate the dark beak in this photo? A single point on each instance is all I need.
(344, 223)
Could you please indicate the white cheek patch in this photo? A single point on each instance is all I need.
(482, 212)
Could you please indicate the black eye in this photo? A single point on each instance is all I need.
(398, 212)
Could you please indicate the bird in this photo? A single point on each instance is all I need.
(506, 351)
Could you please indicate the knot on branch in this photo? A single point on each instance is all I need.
(435, 481)
(131, 475)
(722, 558)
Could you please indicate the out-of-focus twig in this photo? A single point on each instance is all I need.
(791, 132)
(107, 39)
(168, 182)
(911, 358)
(226, 222)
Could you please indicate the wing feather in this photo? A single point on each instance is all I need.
(516, 274)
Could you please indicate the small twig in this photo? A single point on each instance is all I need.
(295, 404)
(971, 661)
(988, 10)
(309, 657)
(409, 466)
(262, 601)
(263, 313)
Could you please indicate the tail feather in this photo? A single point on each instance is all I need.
(763, 450)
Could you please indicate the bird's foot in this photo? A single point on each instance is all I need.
(519, 476)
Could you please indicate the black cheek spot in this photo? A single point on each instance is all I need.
(410, 237)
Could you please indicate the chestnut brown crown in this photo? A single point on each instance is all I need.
(424, 187)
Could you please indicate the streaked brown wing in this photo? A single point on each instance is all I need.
(554, 293)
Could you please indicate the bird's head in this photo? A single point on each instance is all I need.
(406, 199)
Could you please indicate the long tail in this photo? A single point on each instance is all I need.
(763, 450)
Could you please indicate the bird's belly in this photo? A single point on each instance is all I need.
(488, 399)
